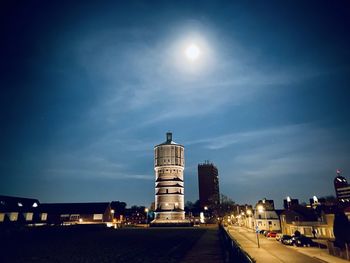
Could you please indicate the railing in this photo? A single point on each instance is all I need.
(338, 252)
(232, 250)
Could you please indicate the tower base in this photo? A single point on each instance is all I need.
(171, 223)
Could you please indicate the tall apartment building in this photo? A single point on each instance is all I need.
(208, 182)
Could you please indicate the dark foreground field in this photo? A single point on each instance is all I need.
(97, 244)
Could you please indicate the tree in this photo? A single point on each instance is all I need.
(193, 208)
(226, 206)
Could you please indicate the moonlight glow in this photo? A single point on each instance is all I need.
(192, 52)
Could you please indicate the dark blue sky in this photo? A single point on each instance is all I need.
(87, 90)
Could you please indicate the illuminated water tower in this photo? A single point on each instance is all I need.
(169, 163)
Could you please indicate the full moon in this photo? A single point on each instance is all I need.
(192, 52)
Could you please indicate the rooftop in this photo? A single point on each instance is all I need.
(169, 140)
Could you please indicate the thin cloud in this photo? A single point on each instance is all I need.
(226, 140)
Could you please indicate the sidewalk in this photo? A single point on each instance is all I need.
(250, 246)
(207, 249)
(321, 254)
(272, 251)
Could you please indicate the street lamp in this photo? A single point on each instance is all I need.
(112, 213)
(146, 210)
(257, 229)
(205, 211)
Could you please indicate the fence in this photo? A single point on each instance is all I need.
(232, 250)
(338, 252)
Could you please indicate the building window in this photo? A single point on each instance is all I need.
(307, 231)
(28, 216)
(64, 217)
(98, 217)
(2, 217)
(43, 216)
(74, 217)
(13, 216)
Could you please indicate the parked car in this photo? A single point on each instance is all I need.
(286, 240)
(302, 241)
(271, 234)
(279, 236)
(262, 232)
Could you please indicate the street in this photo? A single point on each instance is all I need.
(272, 251)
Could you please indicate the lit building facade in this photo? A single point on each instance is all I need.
(265, 216)
(342, 188)
(169, 164)
(208, 182)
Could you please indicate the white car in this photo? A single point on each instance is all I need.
(278, 236)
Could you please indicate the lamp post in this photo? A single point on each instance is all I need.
(205, 214)
(146, 210)
(249, 213)
(112, 213)
(257, 234)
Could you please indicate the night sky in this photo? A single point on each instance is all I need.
(87, 90)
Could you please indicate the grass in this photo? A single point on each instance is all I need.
(96, 244)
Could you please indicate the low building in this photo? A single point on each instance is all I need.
(75, 213)
(267, 220)
(308, 221)
(266, 217)
(19, 210)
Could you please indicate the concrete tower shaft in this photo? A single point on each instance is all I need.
(169, 162)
